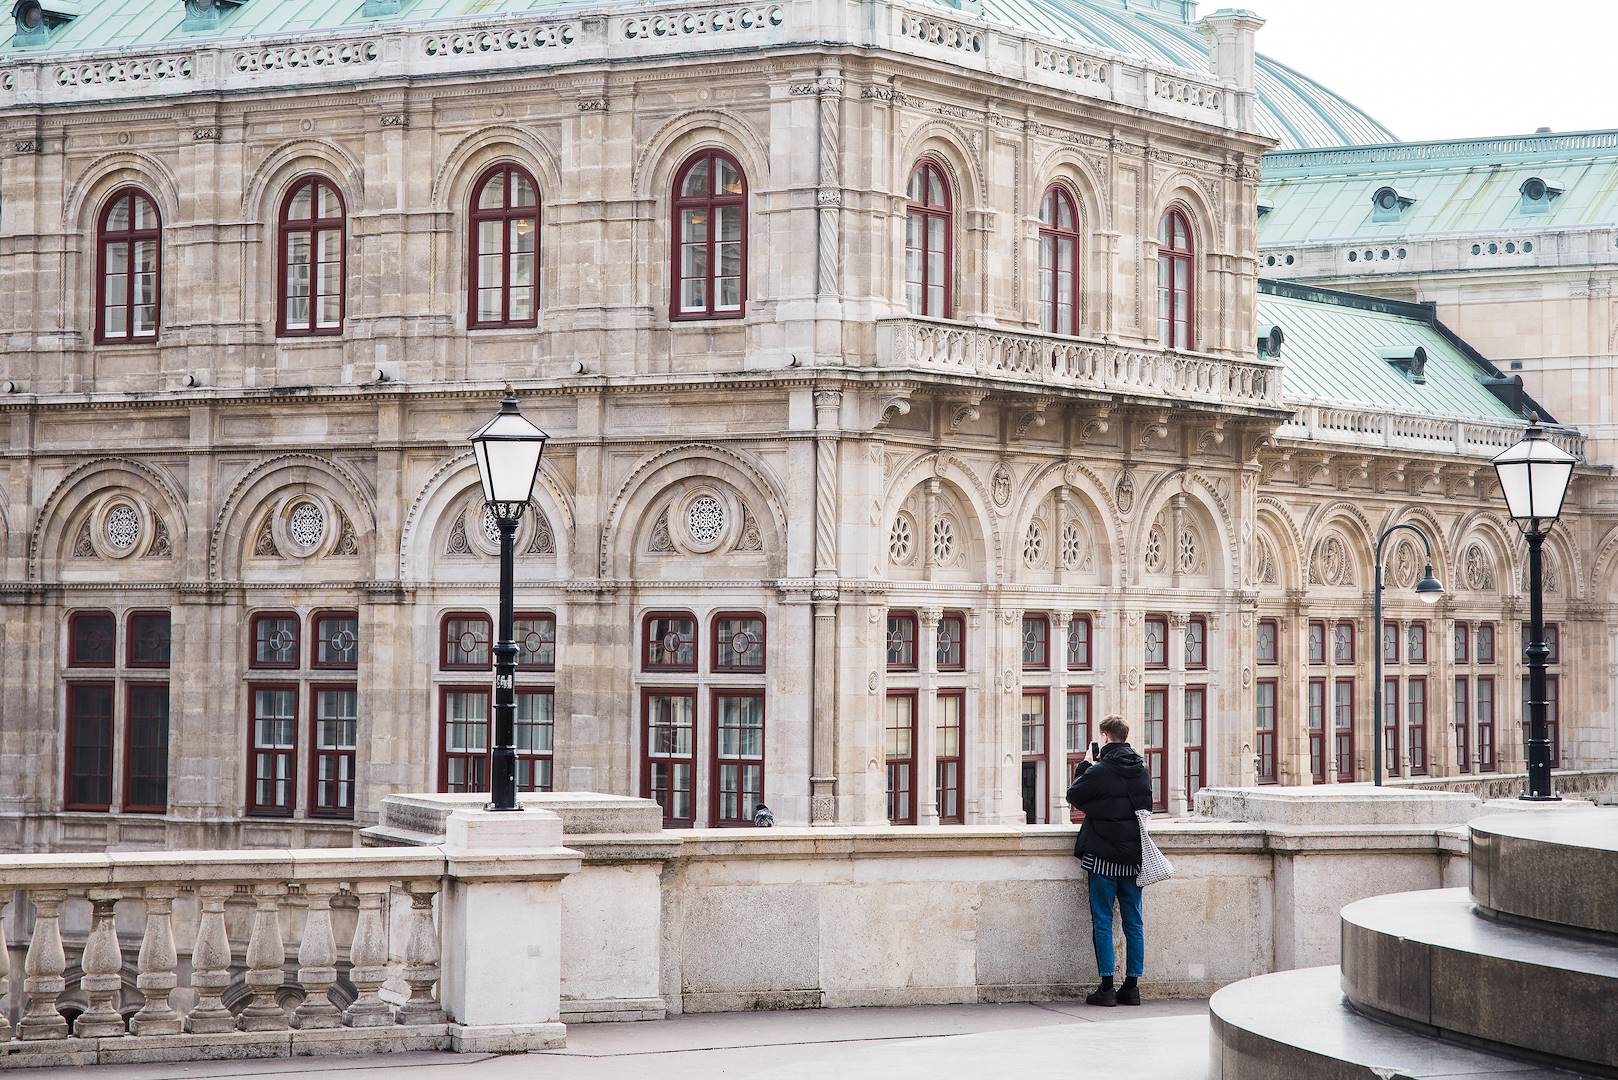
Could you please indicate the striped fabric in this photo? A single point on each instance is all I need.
(1093, 865)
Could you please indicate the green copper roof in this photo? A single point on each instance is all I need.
(1293, 109)
(1464, 186)
(1333, 355)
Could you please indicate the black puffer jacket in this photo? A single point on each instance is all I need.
(1109, 791)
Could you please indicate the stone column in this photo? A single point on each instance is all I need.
(926, 785)
(1174, 729)
(1056, 743)
(825, 692)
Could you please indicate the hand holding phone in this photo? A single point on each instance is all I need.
(1095, 751)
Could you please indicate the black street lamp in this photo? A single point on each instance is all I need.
(508, 449)
(1534, 476)
(1429, 590)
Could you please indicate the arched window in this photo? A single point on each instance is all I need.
(1176, 311)
(710, 221)
(505, 249)
(128, 268)
(929, 223)
(1058, 263)
(312, 259)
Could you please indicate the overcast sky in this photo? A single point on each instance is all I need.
(1438, 69)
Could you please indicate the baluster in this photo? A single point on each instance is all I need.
(157, 961)
(103, 965)
(266, 962)
(368, 959)
(5, 975)
(43, 967)
(210, 965)
(317, 963)
(421, 958)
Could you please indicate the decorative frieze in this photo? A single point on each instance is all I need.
(293, 57)
(513, 39)
(1070, 65)
(117, 72)
(700, 21)
(1198, 95)
(941, 32)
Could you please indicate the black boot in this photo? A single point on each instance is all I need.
(1104, 994)
(1129, 993)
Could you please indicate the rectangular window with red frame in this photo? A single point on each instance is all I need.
(949, 755)
(89, 746)
(1154, 740)
(670, 641)
(1463, 643)
(467, 642)
(738, 748)
(1080, 654)
(1485, 714)
(1390, 643)
(272, 748)
(534, 735)
(92, 639)
(1156, 642)
(1416, 724)
(1390, 726)
(1343, 729)
(1317, 643)
(336, 641)
(738, 643)
(1035, 732)
(1463, 725)
(899, 755)
(146, 748)
(1317, 730)
(1416, 643)
(1077, 736)
(1196, 643)
(901, 641)
(1195, 723)
(463, 758)
(1269, 642)
(149, 639)
(1485, 643)
(1343, 643)
(1552, 718)
(1265, 723)
(669, 746)
(1553, 642)
(275, 640)
(951, 645)
(1036, 642)
(334, 722)
(535, 635)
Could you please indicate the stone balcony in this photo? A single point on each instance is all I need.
(1380, 429)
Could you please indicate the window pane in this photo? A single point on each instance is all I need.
(466, 642)
(118, 217)
(901, 726)
(522, 190)
(336, 713)
(275, 640)
(148, 750)
(91, 639)
(328, 203)
(302, 204)
(149, 639)
(697, 179)
(536, 642)
(339, 640)
(671, 642)
(493, 194)
(741, 643)
(89, 751)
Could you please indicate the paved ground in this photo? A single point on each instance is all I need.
(1165, 1040)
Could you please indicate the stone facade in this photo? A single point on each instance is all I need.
(827, 461)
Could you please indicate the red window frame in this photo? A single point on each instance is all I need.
(1553, 642)
(1196, 643)
(532, 642)
(255, 808)
(1270, 628)
(1055, 240)
(129, 237)
(1353, 645)
(676, 665)
(1265, 723)
(950, 769)
(1080, 643)
(318, 636)
(1462, 640)
(1390, 726)
(1318, 647)
(343, 760)
(1390, 642)
(745, 669)
(921, 211)
(896, 622)
(1486, 633)
(1195, 752)
(314, 226)
(1416, 723)
(1161, 622)
(132, 638)
(73, 744)
(900, 765)
(651, 788)
(1176, 248)
(749, 796)
(942, 651)
(1038, 755)
(1463, 724)
(444, 641)
(1036, 647)
(132, 690)
(536, 768)
(1484, 706)
(1316, 719)
(477, 768)
(711, 201)
(505, 214)
(73, 621)
(253, 662)
(1553, 715)
(1343, 728)
(1082, 751)
(1154, 741)
(1416, 643)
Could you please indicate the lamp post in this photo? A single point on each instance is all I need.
(1534, 476)
(508, 449)
(1429, 590)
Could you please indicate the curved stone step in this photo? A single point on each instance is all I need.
(1432, 959)
(1559, 868)
(1295, 1025)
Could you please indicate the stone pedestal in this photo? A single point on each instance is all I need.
(502, 928)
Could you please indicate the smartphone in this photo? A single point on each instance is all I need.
(1095, 751)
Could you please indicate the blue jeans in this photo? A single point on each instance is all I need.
(1104, 891)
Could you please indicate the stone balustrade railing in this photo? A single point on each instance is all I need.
(1390, 430)
(1078, 363)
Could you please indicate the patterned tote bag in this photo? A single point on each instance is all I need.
(1154, 866)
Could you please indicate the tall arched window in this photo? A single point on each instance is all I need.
(128, 268)
(312, 259)
(710, 222)
(505, 249)
(1176, 311)
(929, 223)
(1058, 262)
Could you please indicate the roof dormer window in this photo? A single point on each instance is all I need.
(375, 8)
(206, 14)
(1538, 194)
(34, 22)
(1389, 203)
(1409, 361)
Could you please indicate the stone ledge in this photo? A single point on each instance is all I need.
(611, 1010)
(1337, 805)
(506, 1038)
(225, 1046)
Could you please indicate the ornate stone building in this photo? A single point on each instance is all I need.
(899, 362)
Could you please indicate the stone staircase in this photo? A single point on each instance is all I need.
(1514, 978)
